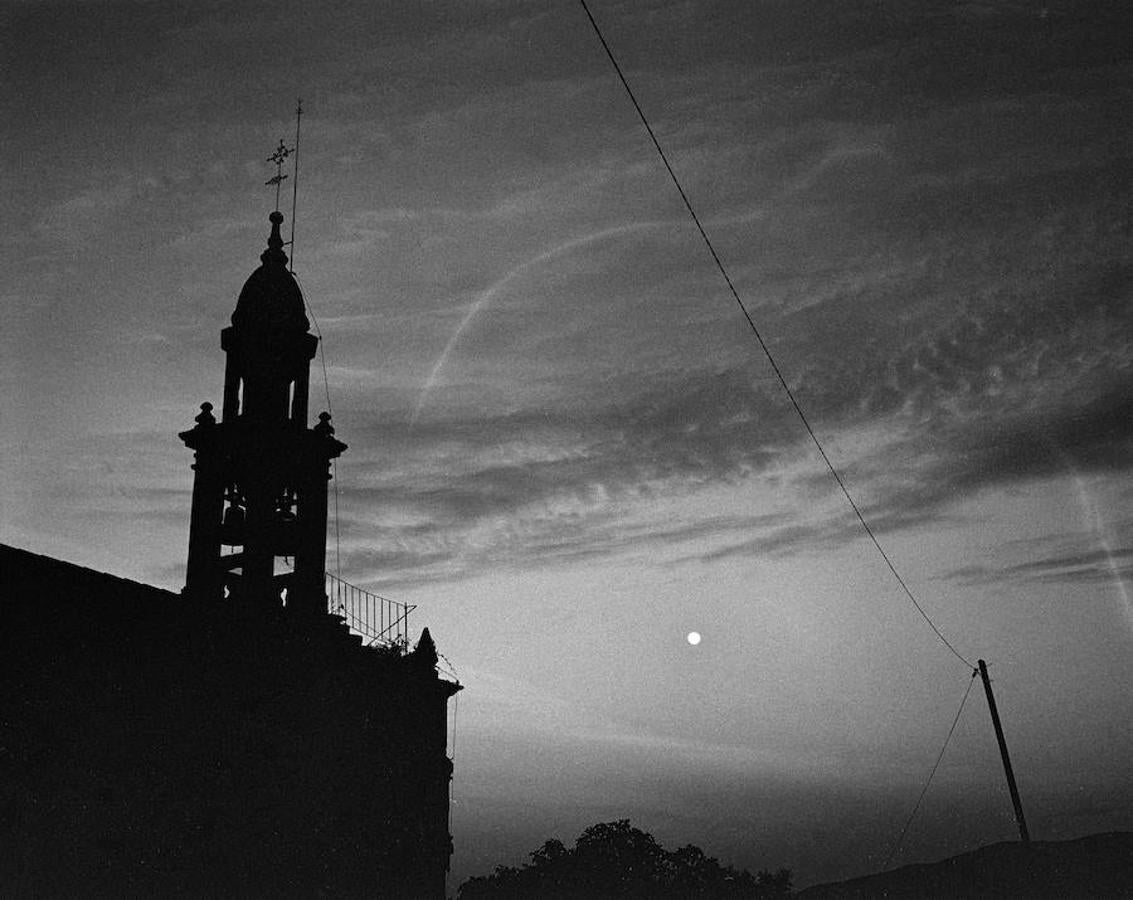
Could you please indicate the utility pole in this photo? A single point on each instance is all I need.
(1023, 835)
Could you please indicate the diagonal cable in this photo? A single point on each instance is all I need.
(763, 344)
(326, 388)
(935, 766)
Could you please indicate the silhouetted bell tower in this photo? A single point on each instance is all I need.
(258, 528)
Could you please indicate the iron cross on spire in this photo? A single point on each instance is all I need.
(281, 153)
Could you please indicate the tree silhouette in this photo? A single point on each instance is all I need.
(614, 859)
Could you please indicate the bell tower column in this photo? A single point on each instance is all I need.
(202, 577)
(311, 555)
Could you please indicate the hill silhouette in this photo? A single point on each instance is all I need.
(1098, 866)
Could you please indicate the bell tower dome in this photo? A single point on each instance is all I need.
(260, 474)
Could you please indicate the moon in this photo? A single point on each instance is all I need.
(693, 637)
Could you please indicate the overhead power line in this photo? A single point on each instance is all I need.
(763, 344)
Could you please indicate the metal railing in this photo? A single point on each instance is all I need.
(376, 619)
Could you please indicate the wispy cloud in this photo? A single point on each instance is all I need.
(1082, 559)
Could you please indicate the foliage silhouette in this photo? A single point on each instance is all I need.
(614, 859)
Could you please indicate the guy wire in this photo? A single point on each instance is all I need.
(935, 766)
(330, 410)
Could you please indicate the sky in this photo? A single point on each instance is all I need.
(566, 446)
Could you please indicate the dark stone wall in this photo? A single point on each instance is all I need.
(152, 747)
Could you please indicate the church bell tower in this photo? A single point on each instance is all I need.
(257, 533)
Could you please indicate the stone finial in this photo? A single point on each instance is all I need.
(205, 418)
(324, 427)
(426, 651)
(274, 252)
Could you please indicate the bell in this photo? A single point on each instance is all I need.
(285, 508)
(232, 527)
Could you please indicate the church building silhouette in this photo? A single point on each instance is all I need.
(267, 731)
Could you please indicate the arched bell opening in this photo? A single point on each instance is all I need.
(234, 523)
